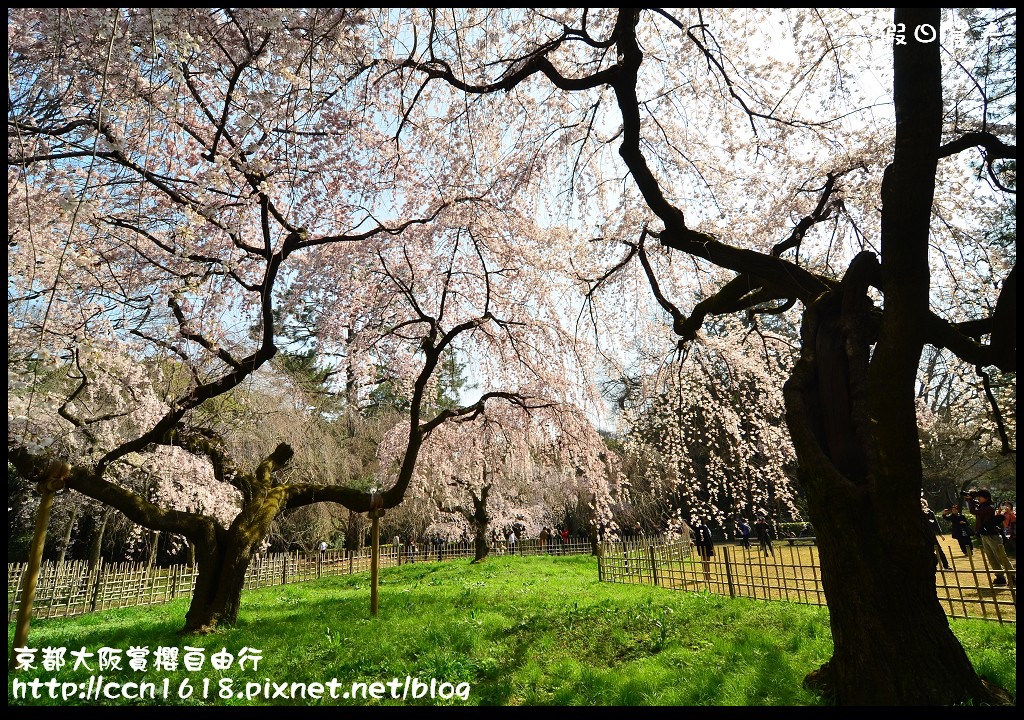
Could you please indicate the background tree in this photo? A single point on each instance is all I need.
(705, 435)
(514, 467)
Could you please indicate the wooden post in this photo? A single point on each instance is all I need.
(53, 481)
(375, 516)
(654, 567)
(728, 572)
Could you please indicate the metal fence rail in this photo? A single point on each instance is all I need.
(792, 573)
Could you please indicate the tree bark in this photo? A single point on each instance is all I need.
(893, 644)
(852, 416)
(154, 544)
(222, 563)
(480, 524)
(66, 542)
(217, 595)
(95, 550)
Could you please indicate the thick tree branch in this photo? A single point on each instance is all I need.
(995, 149)
(197, 528)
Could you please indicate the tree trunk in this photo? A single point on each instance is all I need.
(95, 556)
(481, 548)
(892, 641)
(595, 542)
(217, 595)
(353, 532)
(222, 564)
(154, 544)
(67, 536)
(480, 523)
(851, 412)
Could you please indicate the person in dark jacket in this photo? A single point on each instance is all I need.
(743, 531)
(960, 528)
(764, 535)
(705, 545)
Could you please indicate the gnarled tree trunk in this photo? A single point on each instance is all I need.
(480, 521)
(882, 598)
(852, 416)
(217, 595)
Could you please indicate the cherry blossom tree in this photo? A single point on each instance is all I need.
(173, 176)
(514, 466)
(706, 433)
(821, 157)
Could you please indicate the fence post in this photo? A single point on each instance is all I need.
(728, 571)
(284, 568)
(600, 567)
(654, 567)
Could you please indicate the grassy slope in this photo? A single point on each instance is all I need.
(520, 631)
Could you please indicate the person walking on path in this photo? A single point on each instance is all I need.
(960, 528)
(512, 542)
(705, 545)
(989, 525)
(743, 529)
(764, 535)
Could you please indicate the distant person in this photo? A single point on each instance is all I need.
(989, 525)
(960, 529)
(545, 537)
(705, 545)
(322, 547)
(764, 535)
(438, 545)
(565, 539)
(743, 530)
(512, 542)
(930, 525)
(1009, 527)
(410, 550)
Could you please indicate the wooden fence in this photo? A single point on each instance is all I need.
(70, 588)
(792, 573)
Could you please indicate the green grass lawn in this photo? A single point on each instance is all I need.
(513, 631)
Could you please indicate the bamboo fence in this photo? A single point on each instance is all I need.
(72, 588)
(792, 573)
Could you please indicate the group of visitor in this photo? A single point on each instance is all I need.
(994, 526)
(553, 538)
